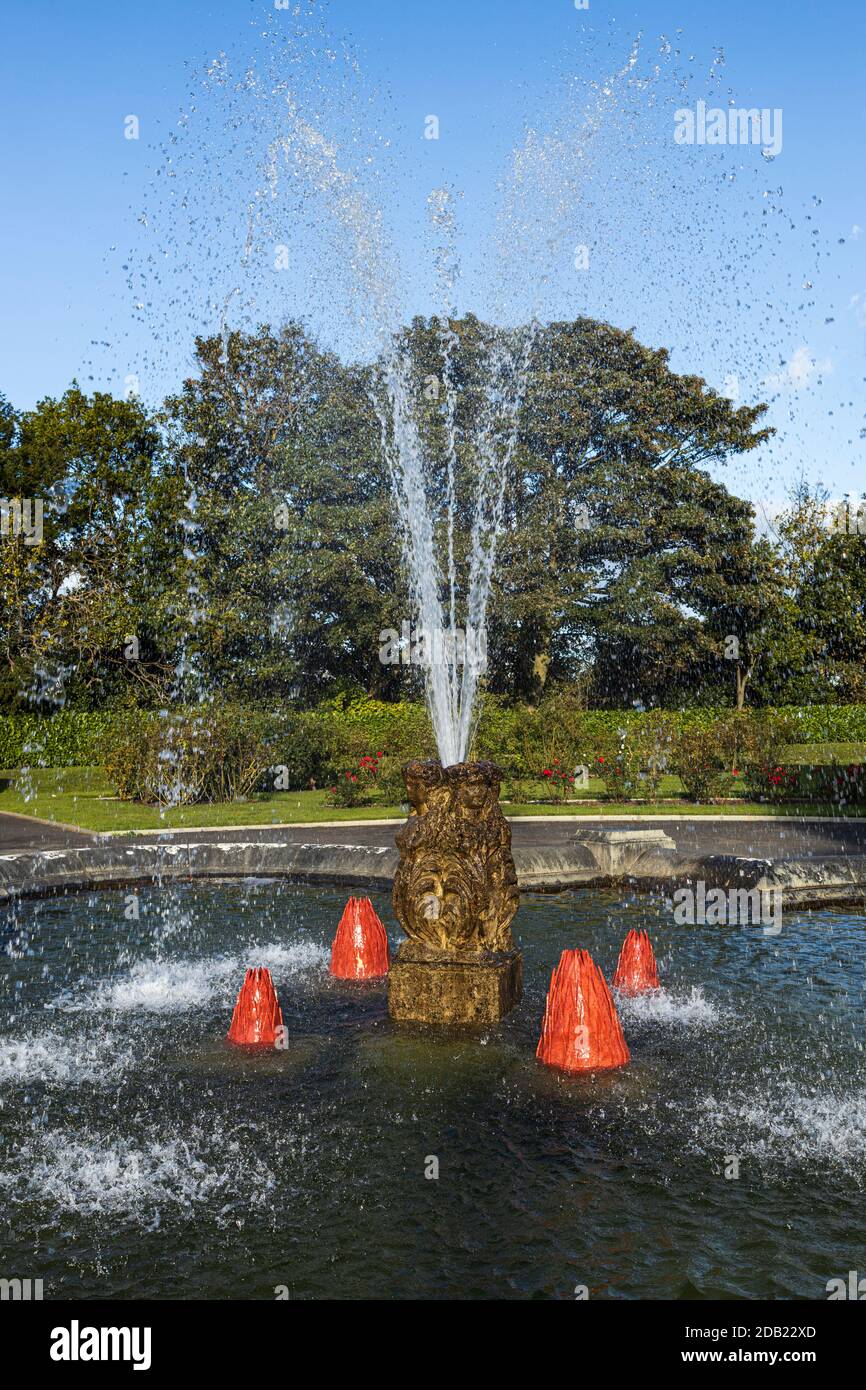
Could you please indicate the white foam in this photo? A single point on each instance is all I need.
(59, 1060)
(93, 1175)
(687, 1010)
(785, 1120)
(173, 986)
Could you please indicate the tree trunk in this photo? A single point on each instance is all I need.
(742, 678)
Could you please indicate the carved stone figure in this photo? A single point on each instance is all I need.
(455, 894)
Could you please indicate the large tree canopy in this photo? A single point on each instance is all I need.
(246, 535)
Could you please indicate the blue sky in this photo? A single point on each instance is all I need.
(753, 272)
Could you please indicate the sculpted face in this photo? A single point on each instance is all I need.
(455, 886)
(438, 900)
(416, 793)
(477, 787)
(474, 792)
(421, 779)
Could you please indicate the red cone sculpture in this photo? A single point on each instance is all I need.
(581, 1029)
(257, 1014)
(636, 970)
(360, 947)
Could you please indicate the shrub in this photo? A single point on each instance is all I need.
(632, 762)
(550, 743)
(354, 785)
(392, 788)
(702, 760)
(350, 731)
(324, 742)
(499, 733)
(833, 785)
(521, 790)
(618, 761)
(558, 780)
(759, 742)
(70, 738)
(216, 754)
(654, 739)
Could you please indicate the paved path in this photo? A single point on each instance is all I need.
(20, 833)
(780, 839)
(763, 839)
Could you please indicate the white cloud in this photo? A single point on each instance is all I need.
(799, 372)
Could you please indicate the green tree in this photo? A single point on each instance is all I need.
(819, 652)
(613, 526)
(85, 627)
(291, 558)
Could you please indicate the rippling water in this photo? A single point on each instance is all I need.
(141, 1156)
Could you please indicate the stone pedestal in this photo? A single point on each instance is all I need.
(621, 852)
(436, 987)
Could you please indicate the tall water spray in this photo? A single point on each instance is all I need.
(453, 656)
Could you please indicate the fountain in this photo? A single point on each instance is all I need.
(257, 1017)
(455, 894)
(140, 1154)
(360, 947)
(581, 1030)
(636, 970)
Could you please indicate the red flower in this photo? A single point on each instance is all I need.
(547, 772)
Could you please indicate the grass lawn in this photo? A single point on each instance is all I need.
(83, 797)
(821, 754)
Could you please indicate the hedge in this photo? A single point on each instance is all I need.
(73, 739)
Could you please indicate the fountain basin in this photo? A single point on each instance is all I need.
(142, 1156)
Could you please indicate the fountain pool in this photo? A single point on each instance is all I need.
(142, 1156)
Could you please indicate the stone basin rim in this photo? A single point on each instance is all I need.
(830, 879)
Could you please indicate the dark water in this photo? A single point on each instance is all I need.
(141, 1156)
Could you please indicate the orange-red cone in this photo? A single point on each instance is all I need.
(636, 970)
(360, 947)
(581, 1029)
(257, 1014)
